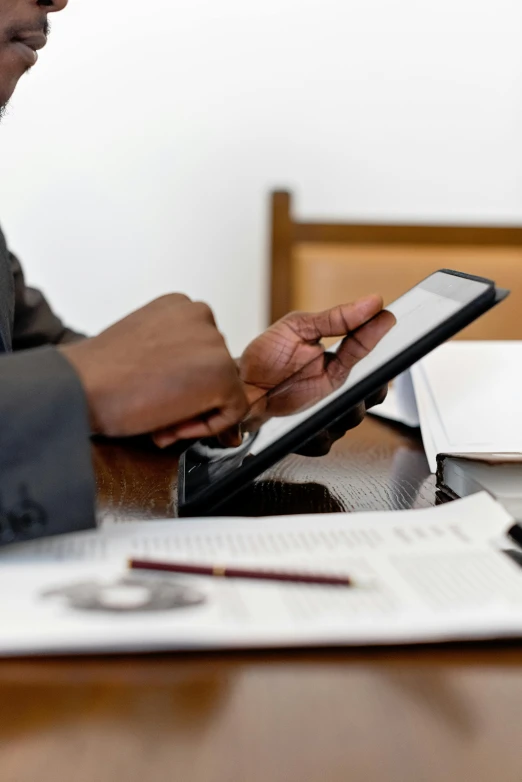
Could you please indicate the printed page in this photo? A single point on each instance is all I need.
(421, 575)
(234, 539)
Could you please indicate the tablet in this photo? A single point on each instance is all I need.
(300, 408)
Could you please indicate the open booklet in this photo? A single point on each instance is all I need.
(421, 576)
(466, 398)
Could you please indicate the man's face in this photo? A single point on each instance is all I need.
(23, 30)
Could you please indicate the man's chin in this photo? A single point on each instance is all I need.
(5, 97)
(8, 83)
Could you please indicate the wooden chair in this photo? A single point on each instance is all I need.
(318, 265)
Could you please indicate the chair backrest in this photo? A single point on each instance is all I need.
(317, 265)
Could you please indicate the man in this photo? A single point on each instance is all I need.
(164, 370)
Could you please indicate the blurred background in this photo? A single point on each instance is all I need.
(138, 157)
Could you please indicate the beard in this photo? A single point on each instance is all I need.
(9, 35)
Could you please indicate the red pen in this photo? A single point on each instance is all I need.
(218, 571)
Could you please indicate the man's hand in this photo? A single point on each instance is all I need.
(295, 341)
(292, 348)
(164, 366)
(293, 345)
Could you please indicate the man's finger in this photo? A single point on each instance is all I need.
(348, 421)
(321, 445)
(218, 422)
(231, 438)
(335, 322)
(193, 430)
(166, 437)
(357, 346)
(377, 398)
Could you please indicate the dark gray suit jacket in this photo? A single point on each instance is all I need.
(46, 473)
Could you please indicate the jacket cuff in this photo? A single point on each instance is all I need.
(47, 484)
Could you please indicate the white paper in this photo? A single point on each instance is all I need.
(421, 575)
(400, 404)
(469, 399)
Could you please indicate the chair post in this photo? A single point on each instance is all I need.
(282, 235)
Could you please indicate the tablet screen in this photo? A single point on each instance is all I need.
(411, 317)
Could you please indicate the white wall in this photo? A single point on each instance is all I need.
(148, 119)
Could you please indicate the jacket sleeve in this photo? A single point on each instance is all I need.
(47, 482)
(35, 324)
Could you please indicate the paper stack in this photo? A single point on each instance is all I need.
(445, 573)
(468, 400)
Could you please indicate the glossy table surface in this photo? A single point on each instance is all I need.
(431, 714)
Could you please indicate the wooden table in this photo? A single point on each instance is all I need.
(410, 715)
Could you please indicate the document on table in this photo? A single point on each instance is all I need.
(425, 575)
(469, 402)
(465, 396)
